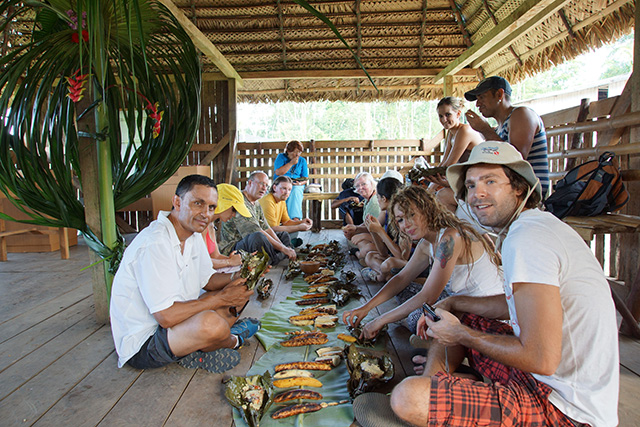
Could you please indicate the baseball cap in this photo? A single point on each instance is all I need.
(392, 173)
(231, 197)
(493, 82)
(494, 153)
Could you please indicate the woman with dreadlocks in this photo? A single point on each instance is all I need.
(464, 263)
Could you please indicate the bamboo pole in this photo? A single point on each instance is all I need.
(625, 120)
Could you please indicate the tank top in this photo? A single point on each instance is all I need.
(483, 278)
(211, 244)
(538, 155)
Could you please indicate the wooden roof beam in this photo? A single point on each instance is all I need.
(527, 16)
(495, 22)
(281, 30)
(203, 43)
(575, 28)
(342, 74)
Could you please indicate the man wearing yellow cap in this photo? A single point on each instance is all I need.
(254, 233)
(159, 312)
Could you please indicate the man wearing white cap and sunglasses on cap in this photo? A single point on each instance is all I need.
(519, 126)
(556, 361)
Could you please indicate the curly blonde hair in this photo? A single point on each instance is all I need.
(436, 216)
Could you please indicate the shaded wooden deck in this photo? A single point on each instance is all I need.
(58, 366)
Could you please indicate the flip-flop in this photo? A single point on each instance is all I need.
(216, 361)
(374, 410)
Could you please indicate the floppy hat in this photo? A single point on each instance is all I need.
(374, 410)
(392, 173)
(228, 197)
(493, 82)
(493, 153)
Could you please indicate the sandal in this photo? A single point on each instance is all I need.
(216, 361)
(369, 274)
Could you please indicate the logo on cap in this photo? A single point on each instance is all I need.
(491, 150)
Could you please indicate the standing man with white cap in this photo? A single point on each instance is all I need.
(543, 367)
(519, 126)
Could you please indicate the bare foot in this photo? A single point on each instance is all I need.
(418, 364)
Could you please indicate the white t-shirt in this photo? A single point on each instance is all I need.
(540, 248)
(154, 274)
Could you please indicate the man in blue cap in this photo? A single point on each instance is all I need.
(519, 126)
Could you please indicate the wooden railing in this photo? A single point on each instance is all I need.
(331, 162)
(581, 134)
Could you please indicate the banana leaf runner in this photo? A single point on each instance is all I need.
(275, 324)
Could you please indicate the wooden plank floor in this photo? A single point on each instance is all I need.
(58, 366)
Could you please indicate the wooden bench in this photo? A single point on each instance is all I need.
(64, 240)
(315, 207)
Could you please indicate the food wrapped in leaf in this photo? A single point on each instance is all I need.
(264, 289)
(252, 396)
(293, 270)
(340, 293)
(367, 371)
(357, 331)
(253, 265)
(347, 276)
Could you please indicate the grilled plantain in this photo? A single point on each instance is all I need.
(291, 373)
(313, 366)
(299, 342)
(297, 394)
(347, 338)
(302, 408)
(297, 382)
(313, 301)
(315, 295)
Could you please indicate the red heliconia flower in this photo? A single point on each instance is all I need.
(156, 116)
(76, 85)
(85, 37)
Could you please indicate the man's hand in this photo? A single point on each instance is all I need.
(477, 122)
(446, 330)
(349, 231)
(438, 179)
(235, 258)
(235, 294)
(290, 253)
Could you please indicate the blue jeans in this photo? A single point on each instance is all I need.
(254, 242)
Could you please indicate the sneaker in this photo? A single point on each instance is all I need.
(369, 274)
(216, 361)
(245, 329)
(296, 241)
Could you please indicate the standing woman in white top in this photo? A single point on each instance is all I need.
(463, 262)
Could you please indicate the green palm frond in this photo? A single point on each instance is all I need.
(136, 56)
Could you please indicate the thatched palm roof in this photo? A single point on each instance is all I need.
(283, 53)
(276, 50)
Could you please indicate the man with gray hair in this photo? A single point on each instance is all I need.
(254, 233)
(542, 366)
(365, 186)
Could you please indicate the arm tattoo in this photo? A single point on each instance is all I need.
(445, 250)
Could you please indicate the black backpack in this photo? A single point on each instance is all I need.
(589, 189)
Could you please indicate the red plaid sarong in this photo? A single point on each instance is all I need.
(514, 398)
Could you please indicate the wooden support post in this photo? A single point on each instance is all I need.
(64, 242)
(576, 141)
(233, 128)
(630, 243)
(316, 211)
(447, 87)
